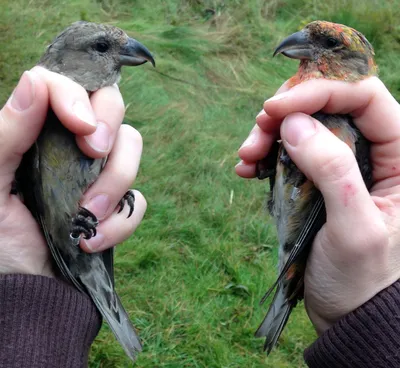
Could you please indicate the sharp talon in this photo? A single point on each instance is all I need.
(131, 203)
(121, 204)
(84, 223)
(129, 198)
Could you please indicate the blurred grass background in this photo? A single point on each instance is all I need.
(193, 273)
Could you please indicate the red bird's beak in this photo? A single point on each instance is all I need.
(296, 46)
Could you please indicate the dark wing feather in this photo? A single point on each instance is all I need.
(302, 246)
(108, 255)
(30, 164)
(108, 259)
(58, 258)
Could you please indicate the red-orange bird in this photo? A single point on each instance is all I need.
(331, 51)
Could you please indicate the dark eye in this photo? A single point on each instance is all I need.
(101, 46)
(332, 42)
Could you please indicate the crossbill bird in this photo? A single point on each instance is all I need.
(325, 50)
(54, 173)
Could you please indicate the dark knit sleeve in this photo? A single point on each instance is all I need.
(369, 337)
(44, 323)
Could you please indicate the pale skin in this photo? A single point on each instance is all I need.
(354, 256)
(96, 121)
(357, 252)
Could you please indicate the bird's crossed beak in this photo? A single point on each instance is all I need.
(296, 46)
(134, 53)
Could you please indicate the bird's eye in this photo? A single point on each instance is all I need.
(101, 46)
(332, 42)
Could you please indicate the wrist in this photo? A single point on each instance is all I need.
(47, 317)
(365, 337)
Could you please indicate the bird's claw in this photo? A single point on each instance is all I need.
(85, 223)
(263, 172)
(266, 167)
(129, 198)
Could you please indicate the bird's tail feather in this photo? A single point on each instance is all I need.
(275, 320)
(110, 306)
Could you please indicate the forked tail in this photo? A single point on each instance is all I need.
(107, 301)
(275, 320)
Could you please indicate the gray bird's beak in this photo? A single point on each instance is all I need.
(296, 46)
(134, 53)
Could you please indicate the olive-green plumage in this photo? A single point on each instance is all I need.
(54, 174)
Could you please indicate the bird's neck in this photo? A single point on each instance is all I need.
(328, 69)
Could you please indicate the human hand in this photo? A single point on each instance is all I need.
(97, 123)
(356, 254)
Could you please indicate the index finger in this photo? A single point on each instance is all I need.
(264, 133)
(270, 124)
(375, 111)
(69, 101)
(109, 110)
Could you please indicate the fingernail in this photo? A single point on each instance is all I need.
(249, 141)
(98, 205)
(83, 113)
(100, 140)
(95, 242)
(278, 97)
(296, 128)
(24, 93)
(240, 163)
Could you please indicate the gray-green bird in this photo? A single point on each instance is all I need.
(55, 174)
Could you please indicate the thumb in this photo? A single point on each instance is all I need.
(332, 166)
(21, 120)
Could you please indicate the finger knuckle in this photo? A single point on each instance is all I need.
(336, 167)
(125, 230)
(124, 226)
(118, 105)
(131, 134)
(124, 176)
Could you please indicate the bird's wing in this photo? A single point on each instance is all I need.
(343, 127)
(108, 255)
(108, 259)
(62, 266)
(35, 205)
(302, 246)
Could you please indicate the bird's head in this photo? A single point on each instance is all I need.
(92, 54)
(329, 50)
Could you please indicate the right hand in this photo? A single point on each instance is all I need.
(356, 254)
(97, 124)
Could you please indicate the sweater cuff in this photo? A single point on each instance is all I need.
(44, 322)
(366, 337)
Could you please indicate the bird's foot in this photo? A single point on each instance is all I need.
(263, 172)
(84, 223)
(129, 198)
(266, 167)
(14, 187)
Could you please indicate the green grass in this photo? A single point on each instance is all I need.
(193, 273)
